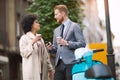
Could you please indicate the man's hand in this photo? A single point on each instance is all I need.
(61, 41)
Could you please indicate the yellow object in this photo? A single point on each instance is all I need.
(100, 56)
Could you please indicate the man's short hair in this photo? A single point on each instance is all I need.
(62, 8)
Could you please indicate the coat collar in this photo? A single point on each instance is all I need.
(30, 34)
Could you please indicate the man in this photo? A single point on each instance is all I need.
(67, 37)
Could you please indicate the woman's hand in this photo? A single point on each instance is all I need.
(49, 46)
(37, 38)
(51, 74)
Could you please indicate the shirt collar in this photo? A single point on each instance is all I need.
(66, 22)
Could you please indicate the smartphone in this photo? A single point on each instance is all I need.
(47, 43)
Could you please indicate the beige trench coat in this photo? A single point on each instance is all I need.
(31, 59)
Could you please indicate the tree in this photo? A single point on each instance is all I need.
(45, 12)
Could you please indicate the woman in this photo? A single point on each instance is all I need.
(35, 59)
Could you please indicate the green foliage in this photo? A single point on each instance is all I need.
(45, 11)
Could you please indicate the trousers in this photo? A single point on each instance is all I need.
(63, 71)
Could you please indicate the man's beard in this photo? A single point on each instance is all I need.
(60, 20)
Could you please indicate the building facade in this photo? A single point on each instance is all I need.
(92, 31)
(10, 31)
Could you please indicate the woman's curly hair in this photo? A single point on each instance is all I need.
(27, 22)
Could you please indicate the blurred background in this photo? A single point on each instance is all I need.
(90, 14)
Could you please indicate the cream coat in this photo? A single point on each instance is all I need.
(31, 58)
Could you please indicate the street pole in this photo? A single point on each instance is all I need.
(110, 55)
